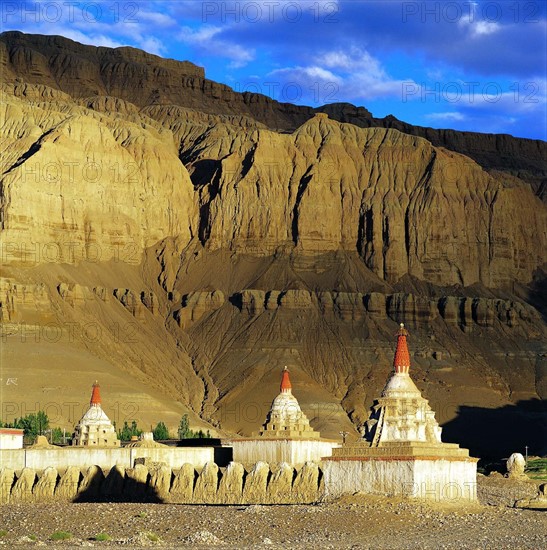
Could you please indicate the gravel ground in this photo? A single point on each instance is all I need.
(356, 522)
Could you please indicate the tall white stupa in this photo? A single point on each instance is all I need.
(401, 453)
(401, 413)
(95, 428)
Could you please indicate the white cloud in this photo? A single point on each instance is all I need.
(449, 116)
(354, 74)
(306, 72)
(156, 18)
(475, 26)
(521, 98)
(153, 45)
(207, 40)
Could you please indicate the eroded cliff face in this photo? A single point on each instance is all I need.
(80, 185)
(145, 80)
(191, 255)
(405, 206)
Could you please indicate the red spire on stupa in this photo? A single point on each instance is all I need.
(401, 361)
(95, 394)
(285, 381)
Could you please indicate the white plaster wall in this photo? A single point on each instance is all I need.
(39, 459)
(12, 458)
(175, 457)
(446, 480)
(11, 441)
(292, 451)
(379, 477)
(429, 479)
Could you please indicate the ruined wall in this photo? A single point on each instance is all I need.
(157, 482)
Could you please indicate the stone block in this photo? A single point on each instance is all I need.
(256, 482)
(230, 490)
(45, 487)
(182, 489)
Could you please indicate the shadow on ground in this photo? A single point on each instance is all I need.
(116, 488)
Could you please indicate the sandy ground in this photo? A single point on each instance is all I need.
(356, 521)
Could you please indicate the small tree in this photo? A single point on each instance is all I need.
(184, 428)
(57, 436)
(160, 431)
(32, 424)
(127, 432)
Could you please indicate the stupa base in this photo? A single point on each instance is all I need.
(442, 472)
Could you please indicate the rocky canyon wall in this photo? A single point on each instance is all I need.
(228, 249)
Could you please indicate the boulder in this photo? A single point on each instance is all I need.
(7, 476)
(280, 486)
(306, 485)
(160, 481)
(91, 484)
(207, 484)
(136, 482)
(539, 502)
(112, 487)
(67, 488)
(515, 466)
(22, 490)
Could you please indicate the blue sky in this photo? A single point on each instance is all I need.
(477, 66)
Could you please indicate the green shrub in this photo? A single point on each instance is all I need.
(127, 432)
(3, 532)
(152, 537)
(537, 468)
(103, 536)
(61, 535)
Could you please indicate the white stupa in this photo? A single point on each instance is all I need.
(401, 413)
(95, 428)
(286, 418)
(401, 453)
(286, 436)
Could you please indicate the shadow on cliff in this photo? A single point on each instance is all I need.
(537, 294)
(116, 488)
(497, 433)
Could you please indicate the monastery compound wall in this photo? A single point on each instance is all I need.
(293, 451)
(261, 483)
(105, 457)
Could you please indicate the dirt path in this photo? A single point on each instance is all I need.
(354, 522)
